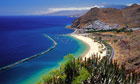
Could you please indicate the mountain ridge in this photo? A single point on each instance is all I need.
(128, 16)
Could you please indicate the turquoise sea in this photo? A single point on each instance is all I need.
(23, 36)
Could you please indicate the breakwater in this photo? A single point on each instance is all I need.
(34, 56)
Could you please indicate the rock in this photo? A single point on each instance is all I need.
(68, 26)
(123, 17)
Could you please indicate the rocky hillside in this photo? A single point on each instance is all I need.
(126, 16)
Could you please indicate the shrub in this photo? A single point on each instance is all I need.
(89, 71)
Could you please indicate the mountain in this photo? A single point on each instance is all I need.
(69, 13)
(128, 16)
(78, 13)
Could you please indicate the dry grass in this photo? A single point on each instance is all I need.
(126, 46)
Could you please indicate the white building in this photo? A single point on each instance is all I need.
(98, 25)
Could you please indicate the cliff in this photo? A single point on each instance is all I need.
(126, 16)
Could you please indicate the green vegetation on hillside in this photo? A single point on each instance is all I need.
(113, 30)
(108, 47)
(89, 71)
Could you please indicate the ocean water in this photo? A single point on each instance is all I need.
(23, 36)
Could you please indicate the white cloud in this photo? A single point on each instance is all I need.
(53, 10)
(132, 4)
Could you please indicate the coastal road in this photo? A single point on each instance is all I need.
(113, 53)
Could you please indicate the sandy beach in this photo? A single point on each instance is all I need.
(93, 47)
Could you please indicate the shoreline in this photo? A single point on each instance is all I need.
(78, 53)
(34, 56)
(94, 48)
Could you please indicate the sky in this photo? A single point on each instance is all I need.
(35, 7)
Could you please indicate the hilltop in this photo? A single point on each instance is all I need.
(99, 22)
(128, 16)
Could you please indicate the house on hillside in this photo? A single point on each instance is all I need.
(96, 26)
(99, 25)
